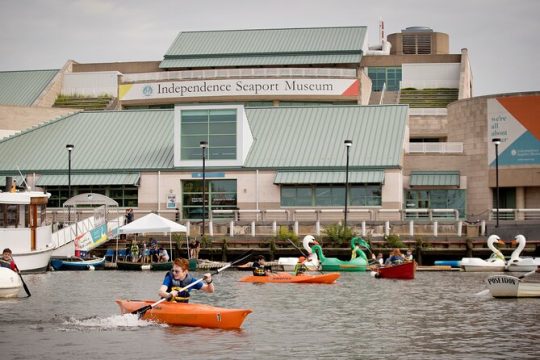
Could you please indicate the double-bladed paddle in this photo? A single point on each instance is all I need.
(24, 284)
(140, 312)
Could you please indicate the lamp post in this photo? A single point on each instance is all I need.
(69, 148)
(496, 141)
(203, 145)
(348, 144)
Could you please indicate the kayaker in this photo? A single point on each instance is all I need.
(7, 260)
(300, 267)
(395, 258)
(178, 278)
(259, 267)
(134, 251)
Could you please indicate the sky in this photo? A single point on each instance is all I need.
(500, 35)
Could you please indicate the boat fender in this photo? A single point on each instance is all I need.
(375, 274)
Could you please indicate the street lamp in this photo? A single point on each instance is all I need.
(203, 145)
(348, 144)
(496, 141)
(69, 148)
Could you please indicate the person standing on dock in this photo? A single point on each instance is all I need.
(178, 278)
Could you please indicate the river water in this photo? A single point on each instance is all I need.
(446, 315)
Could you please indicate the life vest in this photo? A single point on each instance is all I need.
(258, 269)
(4, 263)
(176, 285)
(134, 249)
(299, 269)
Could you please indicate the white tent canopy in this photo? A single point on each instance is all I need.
(152, 223)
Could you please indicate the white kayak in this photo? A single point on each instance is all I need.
(506, 286)
(10, 283)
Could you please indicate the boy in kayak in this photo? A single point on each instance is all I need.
(178, 278)
(300, 268)
(259, 267)
(7, 260)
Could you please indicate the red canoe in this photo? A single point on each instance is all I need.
(198, 315)
(406, 271)
(283, 277)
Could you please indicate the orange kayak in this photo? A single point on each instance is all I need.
(199, 315)
(283, 277)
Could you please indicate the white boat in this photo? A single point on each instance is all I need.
(312, 262)
(24, 231)
(10, 283)
(506, 286)
(495, 263)
(517, 263)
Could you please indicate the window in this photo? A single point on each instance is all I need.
(381, 75)
(436, 199)
(219, 195)
(124, 195)
(216, 126)
(328, 195)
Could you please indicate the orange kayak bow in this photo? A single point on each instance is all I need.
(283, 277)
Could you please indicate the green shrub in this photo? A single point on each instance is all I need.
(393, 241)
(338, 234)
(284, 233)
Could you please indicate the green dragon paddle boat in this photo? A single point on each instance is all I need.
(358, 260)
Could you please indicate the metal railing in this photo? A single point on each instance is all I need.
(435, 147)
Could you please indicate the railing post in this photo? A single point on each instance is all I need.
(211, 228)
(253, 228)
(435, 228)
(317, 227)
(231, 228)
(296, 227)
(188, 228)
(483, 228)
(387, 228)
(411, 228)
(364, 228)
(459, 228)
(274, 227)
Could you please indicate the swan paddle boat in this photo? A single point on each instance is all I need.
(10, 283)
(312, 262)
(187, 314)
(283, 277)
(495, 263)
(404, 271)
(76, 263)
(506, 286)
(517, 263)
(358, 260)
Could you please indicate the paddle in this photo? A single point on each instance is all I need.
(24, 284)
(140, 312)
(304, 255)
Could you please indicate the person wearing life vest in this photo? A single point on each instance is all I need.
(258, 266)
(300, 267)
(178, 278)
(134, 251)
(7, 260)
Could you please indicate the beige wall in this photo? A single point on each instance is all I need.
(427, 126)
(532, 197)
(398, 60)
(22, 117)
(465, 76)
(123, 67)
(365, 88)
(49, 95)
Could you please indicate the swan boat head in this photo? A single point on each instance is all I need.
(497, 254)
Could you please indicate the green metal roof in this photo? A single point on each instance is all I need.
(89, 179)
(261, 61)
(312, 137)
(113, 141)
(23, 87)
(130, 141)
(266, 47)
(434, 178)
(329, 177)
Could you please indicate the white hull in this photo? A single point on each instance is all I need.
(501, 286)
(34, 261)
(480, 265)
(10, 283)
(521, 264)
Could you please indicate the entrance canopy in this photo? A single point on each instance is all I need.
(152, 223)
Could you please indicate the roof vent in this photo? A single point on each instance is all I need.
(418, 29)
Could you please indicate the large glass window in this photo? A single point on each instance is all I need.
(124, 195)
(219, 195)
(437, 199)
(327, 195)
(217, 127)
(381, 75)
